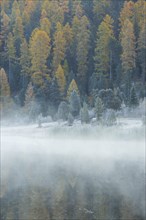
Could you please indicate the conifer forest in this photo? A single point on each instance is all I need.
(51, 48)
(72, 109)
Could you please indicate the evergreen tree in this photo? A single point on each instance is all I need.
(100, 9)
(29, 95)
(66, 69)
(70, 119)
(74, 104)
(54, 93)
(83, 38)
(63, 111)
(142, 51)
(31, 107)
(133, 102)
(99, 108)
(17, 27)
(84, 114)
(110, 118)
(25, 58)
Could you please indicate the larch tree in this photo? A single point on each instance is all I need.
(61, 81)
(17, 25)
(127, 12)
(45, 25)
(77, 8)
(128, 55)
(4, 91)
(59, 46)
(72, 87)
(4, 85)
(39, 50)
(55, 12)
(103, 48)
(83, 39)
(5, 27)
(140, 12)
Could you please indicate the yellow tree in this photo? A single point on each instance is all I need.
(29, 8)
(17, 26)
(105, 35)
(72, 87)
(140, 12)
(39, 50)
(4, 91)
(128, 55)
(5, 20)
(45, 25)
(54, 11)
(5, 27)
(4, 85)
(59, 46)
(61, 81)
(127, 12)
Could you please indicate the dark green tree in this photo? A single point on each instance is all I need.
(133, 102)
(84, 114)
(74, 104)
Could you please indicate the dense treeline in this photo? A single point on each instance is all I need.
(50, 49)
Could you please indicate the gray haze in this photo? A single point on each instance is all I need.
(113, 159)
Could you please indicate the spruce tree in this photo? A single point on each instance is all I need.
(99, 108)
(74, 103)
(84, 114)
(133, 102)
(63, 111)
(110, 118)
(70, 119)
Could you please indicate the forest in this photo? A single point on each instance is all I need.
(72, 109)
(63, 57)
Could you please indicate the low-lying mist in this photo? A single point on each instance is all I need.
(72, 173)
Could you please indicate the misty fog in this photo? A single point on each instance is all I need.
(82, 172)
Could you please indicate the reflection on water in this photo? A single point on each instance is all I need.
(71, 179)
